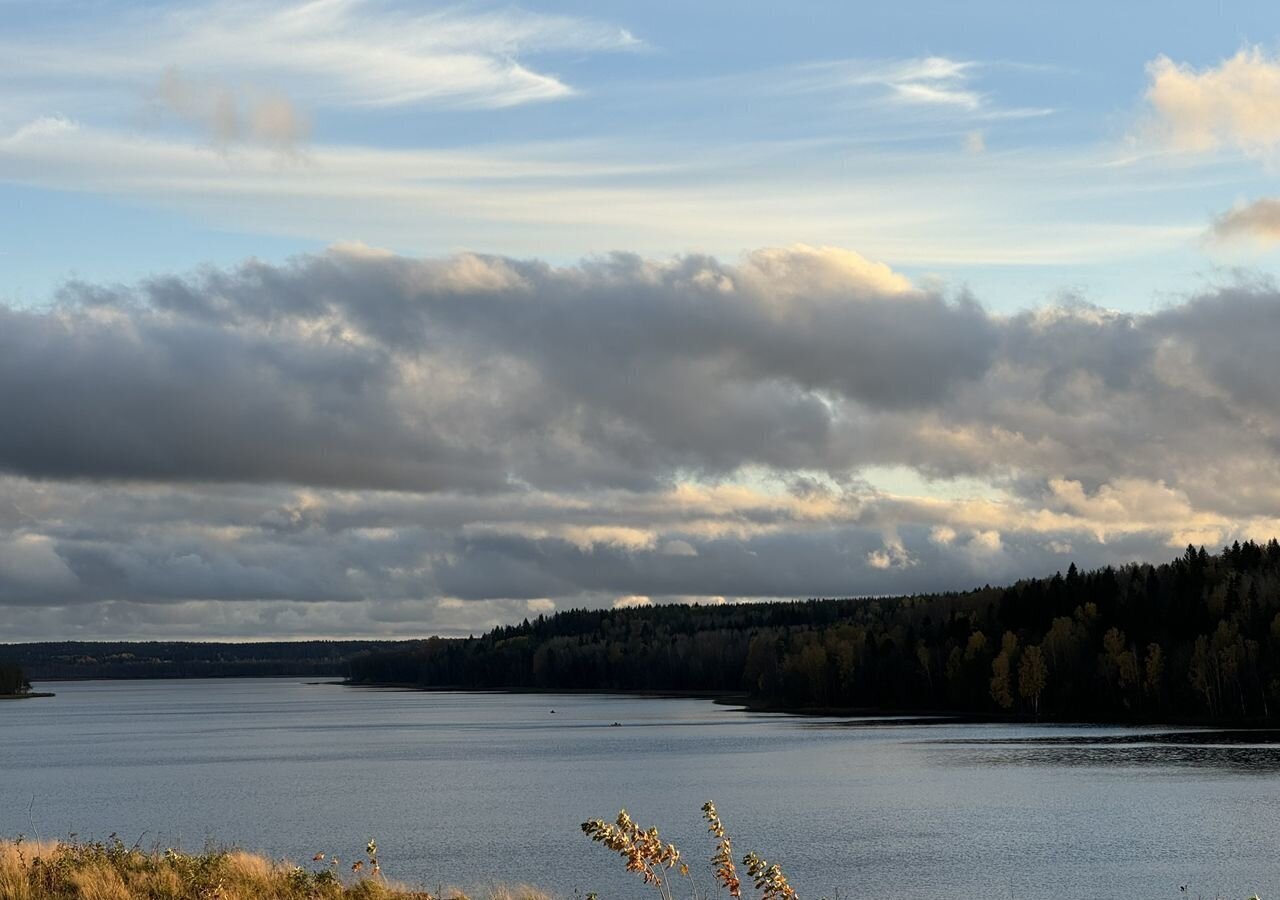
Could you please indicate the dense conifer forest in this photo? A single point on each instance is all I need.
(186, 659)
(1196, 639)
(12, 680)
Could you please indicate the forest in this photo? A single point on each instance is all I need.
(12, 680)
(55, 660)
(1195, 639)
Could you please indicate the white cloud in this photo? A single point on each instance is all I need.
(1234, 104)
(893, 555)
(800, 271)
(935, 80)
(631, 601)
(330, 53)
(986, 542)
(879, 559)
(926, 81)
(942, 534)
(558, 198)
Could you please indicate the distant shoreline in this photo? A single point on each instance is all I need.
(735, 699)
(726, 698)
(307, 678)
(886, 717)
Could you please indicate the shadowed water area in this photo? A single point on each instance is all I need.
(466, 789)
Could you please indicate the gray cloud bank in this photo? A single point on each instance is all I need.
(358, 443)
(365, 371)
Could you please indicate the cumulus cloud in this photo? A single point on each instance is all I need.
(631, 601)
(893, 555)
(474, 373)
(361, 443)
(986, 542)
(942, 534)
(1258, 221)
(1234, 104)
(879, 559)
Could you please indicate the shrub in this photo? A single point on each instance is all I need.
(645, 854)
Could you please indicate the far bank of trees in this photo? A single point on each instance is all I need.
(1196, 639)
(12, 680)
(53, 660)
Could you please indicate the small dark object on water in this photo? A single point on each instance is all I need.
(616, 725)
(553, 712)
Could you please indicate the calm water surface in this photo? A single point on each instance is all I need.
(465, 789)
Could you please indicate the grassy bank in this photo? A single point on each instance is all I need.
(113, 871)
(80, 870)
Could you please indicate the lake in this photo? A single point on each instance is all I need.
(466, 789)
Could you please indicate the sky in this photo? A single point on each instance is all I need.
(354, 318)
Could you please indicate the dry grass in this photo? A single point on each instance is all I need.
(644, 853)
(112, 871)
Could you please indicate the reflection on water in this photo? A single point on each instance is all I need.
(1265, 760)
(469, 788)
(1260, 737)
(1237, 750)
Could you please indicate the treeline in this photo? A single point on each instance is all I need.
(1197, 639)
(13, 680)
(187, 659)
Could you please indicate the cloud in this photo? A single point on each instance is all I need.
(558, 197)
(927, 88)
(942, 534)
(1258, 221)
(473, 373)
(986, 542)
(1234, 104)
(29, 562)
(363, 370)
(893, 555)
(230, 116)
(338, 53)
(926, 81)
(934, 80)
(631, 601)
(357, 442)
